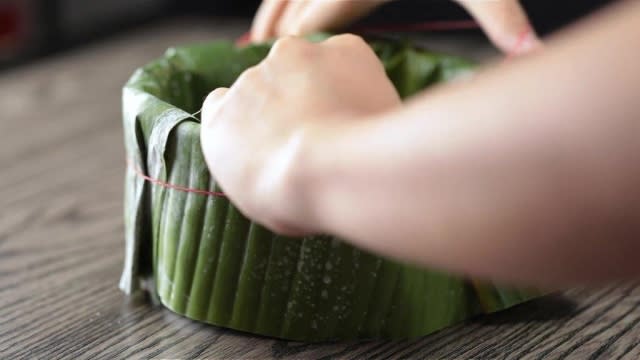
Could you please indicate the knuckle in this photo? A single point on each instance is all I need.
(283, 30)
(299, 28)
(283, 44)
(251, 75)
(215, 95)
(349, 40)
(287, 45)
(212, 104)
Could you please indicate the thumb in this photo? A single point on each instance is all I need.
(505, 23)
(211, 104)
(209, 139)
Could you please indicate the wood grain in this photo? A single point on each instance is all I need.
(61, 242)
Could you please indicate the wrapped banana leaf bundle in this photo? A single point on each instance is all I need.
(189, 247)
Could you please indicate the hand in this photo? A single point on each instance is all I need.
(258, 137)
(504, 21)
(290, 17)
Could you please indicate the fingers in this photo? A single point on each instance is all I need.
(329, 15)
(291, 16)
(268, 16)
(347, 42)
(211, 104)
(299, 17)
(505, 23)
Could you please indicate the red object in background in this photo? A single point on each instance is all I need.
(11, 24)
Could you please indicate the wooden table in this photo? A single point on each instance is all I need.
(61, 239)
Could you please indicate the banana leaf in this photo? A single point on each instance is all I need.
(201, 258)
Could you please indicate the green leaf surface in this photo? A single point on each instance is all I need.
(206, 261)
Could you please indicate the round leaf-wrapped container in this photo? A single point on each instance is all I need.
(201, 258)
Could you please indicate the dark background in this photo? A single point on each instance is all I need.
(30, 29)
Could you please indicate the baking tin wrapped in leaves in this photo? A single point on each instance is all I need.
(201, 258)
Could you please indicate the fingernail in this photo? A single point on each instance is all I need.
(526, 43)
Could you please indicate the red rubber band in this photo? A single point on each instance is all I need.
(167, 185)
(425, 26)
(452, 25)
